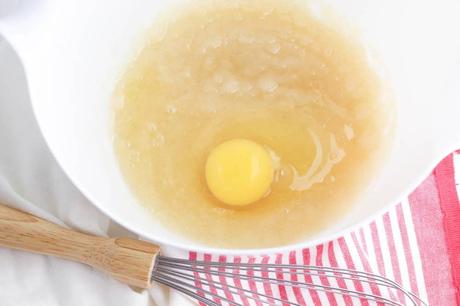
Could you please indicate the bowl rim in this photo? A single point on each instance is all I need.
(422, 174)
(183, 246)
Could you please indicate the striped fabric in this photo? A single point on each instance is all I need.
(416, 243)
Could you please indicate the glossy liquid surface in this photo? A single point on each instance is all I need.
(264, 71)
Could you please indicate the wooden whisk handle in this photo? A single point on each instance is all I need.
(128, 260)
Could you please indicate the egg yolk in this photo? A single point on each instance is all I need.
(239, 172)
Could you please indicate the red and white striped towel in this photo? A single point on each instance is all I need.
(416, 243)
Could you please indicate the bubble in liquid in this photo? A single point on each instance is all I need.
(268, 12)
(218, 78)
(232, 86)
(216, 42)
(160, 31)
(187, 73)
(151, 126)
(221, 211)
(119, 102)
(349, 132)
(246, 87)
(209, 61)
(158, 140)
(244, 39)
(268, 85)
(328, 52)
(274, 48)
(171, 109)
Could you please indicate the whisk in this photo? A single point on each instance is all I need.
(140, 264)
(196, 279)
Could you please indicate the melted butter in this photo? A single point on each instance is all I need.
(265, 71)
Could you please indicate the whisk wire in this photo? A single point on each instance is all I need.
(320, 271)
(232, 289)
(317, 287)
(195, 278)
(192, 294)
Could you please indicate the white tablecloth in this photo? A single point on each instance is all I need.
(30, 179)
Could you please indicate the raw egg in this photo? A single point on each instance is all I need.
(239, 172)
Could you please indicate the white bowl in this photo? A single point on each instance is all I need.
(74, 50)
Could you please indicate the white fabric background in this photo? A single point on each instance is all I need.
(31, 180)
